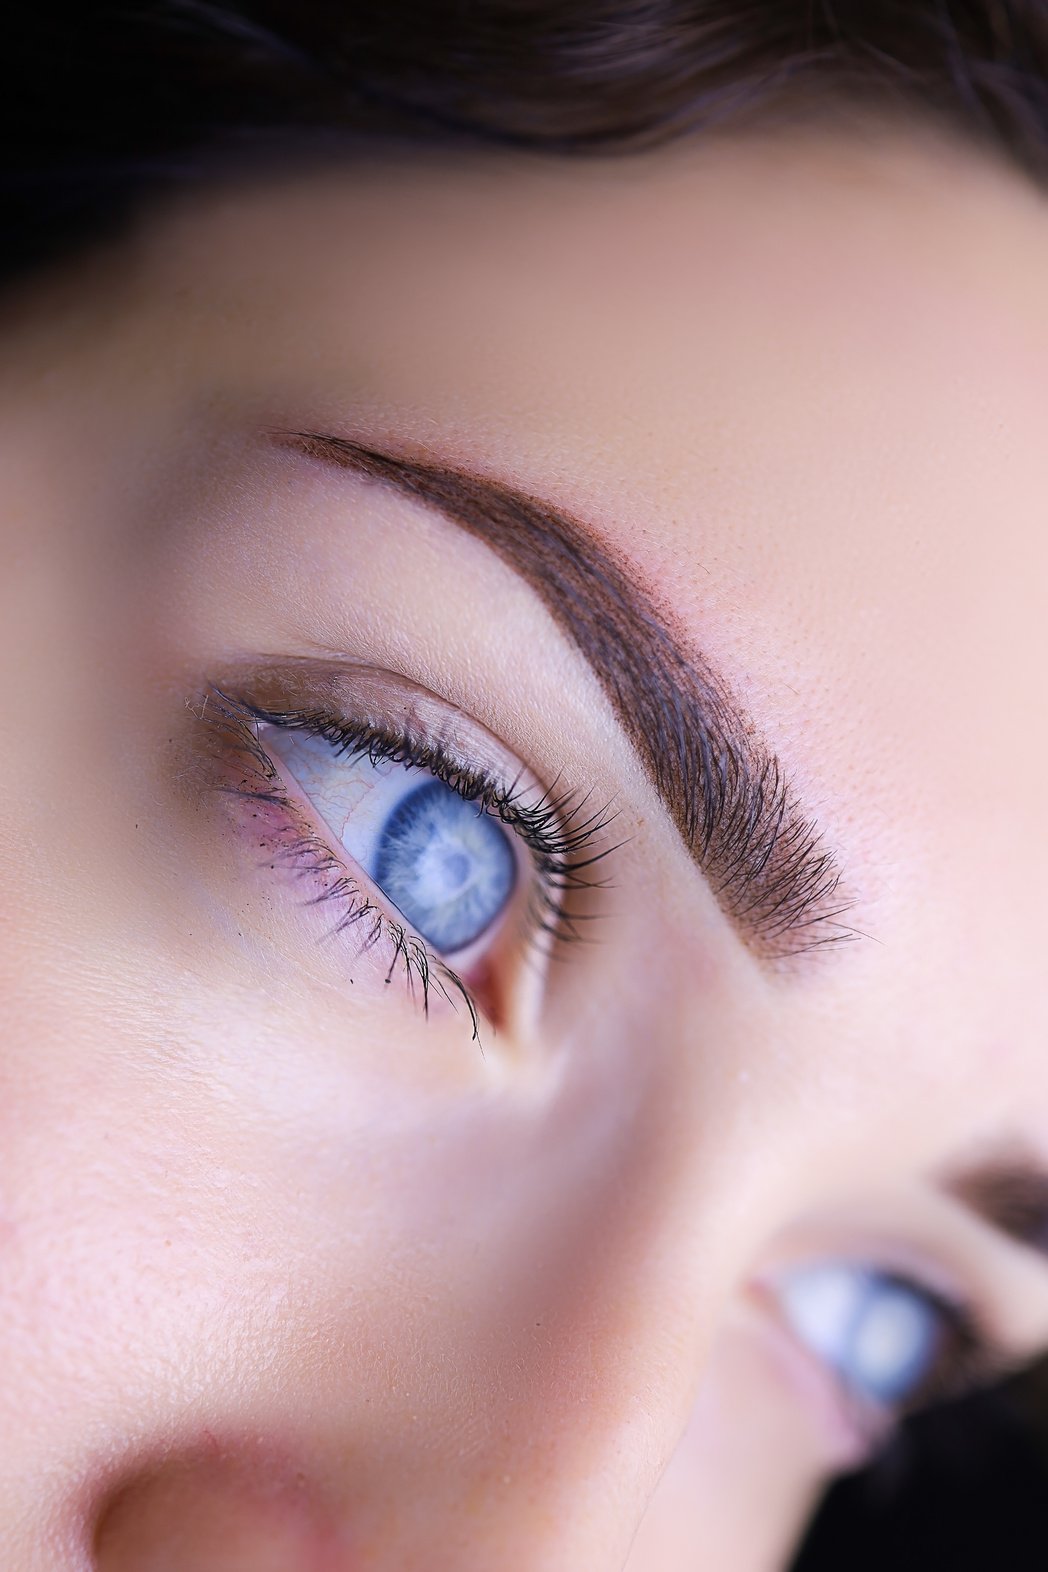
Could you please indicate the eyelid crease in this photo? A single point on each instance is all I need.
(728, 795)
(1009, 1192)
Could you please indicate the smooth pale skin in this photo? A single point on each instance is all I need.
(298, 1279)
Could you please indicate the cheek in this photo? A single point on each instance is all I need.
(762, 1429)
(364, 1296)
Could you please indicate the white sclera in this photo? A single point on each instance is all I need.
(822, 1303)
(353, 797)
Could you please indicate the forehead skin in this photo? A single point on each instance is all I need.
(802, 387)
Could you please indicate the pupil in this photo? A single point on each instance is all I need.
(455, 868)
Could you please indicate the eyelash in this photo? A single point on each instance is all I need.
(557, 829)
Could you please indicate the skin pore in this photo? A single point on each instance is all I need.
(298, 1276)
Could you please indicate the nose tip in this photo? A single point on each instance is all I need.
(209, 1512)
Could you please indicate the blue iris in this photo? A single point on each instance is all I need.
(446, 864)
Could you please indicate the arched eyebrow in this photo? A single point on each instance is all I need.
(728, 795)
(1009, 1191)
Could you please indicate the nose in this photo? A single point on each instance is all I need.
(219, 1511)
(506, 1390)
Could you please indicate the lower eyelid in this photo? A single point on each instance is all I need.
(849, 1434)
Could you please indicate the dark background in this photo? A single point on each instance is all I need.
(963, 1489)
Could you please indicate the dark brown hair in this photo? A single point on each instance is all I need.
(110, 103)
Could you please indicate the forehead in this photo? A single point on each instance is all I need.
(798, 379)
(803, 384)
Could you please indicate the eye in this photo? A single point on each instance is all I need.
(884, 1338)
(446, 864)
(446, 857)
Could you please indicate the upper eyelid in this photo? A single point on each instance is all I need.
(345, 699)
(340, 688)
(938, 1248)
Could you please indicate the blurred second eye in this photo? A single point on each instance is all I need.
(881, 1336)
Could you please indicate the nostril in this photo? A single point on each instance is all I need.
(215, 1512)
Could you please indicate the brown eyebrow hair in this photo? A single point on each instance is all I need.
(728, 795)
(1010, 1192)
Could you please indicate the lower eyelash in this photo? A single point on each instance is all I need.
(302, 851)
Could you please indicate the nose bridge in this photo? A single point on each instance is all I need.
(560, 1310)
(628, 1259)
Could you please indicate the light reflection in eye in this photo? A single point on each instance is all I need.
(446, 865)
(880, 1335)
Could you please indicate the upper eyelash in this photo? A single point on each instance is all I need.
(556, 828)
(972, 1359)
